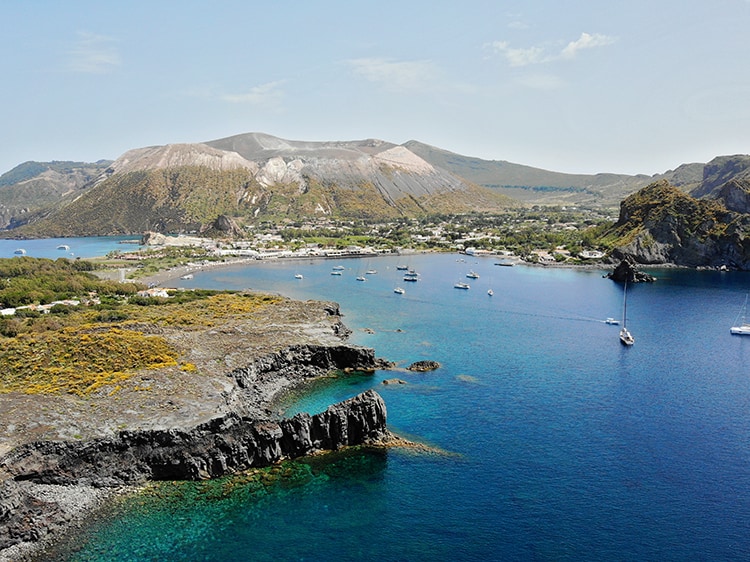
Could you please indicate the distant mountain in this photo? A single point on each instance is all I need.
(537, 186)
(32, 188)
(252, 177)
(727, 179)
(185, 187)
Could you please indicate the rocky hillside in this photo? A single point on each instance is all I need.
(33, 187)
(538, 186)
(661, 224)
(727, 179)
(255, 176)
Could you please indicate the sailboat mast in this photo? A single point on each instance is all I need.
(625, 305)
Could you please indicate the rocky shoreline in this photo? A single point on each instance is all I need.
(226, 424)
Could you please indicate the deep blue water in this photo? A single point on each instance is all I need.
(564, 444)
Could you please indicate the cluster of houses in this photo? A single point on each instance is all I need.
(45, 308)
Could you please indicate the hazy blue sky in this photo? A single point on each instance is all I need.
(629, 86)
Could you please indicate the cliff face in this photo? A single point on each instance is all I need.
(662, 225)
(245, 436)
(224, 445)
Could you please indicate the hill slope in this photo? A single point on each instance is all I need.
(33, 187)
(538, 186)
(660, 224)
(254, 177)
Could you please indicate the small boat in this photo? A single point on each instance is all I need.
(298, 276)
(402, 267)
(339, 268)
(505, 263)
(20, 252)
(461, 285)
(360, 278)
(741, 326)
(63, 247)
(187, 276)
(612, 321)
(370, 272)
(411, 276)
(626, 338)
(335, 272)
(472, 275)
(490, 292)
(399, 290)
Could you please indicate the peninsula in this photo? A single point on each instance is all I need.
(208, 407)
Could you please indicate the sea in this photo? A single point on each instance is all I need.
(548, 439)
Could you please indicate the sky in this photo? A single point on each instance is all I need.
(577, 86)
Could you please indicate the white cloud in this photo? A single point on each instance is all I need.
(520, 57)
(269, 94)
(517, 57)
(93, 54)
(397, 76)
(586, 41)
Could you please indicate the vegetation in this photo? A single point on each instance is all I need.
(80, 349)
(659, 206)
(78, 360)
(27, 280)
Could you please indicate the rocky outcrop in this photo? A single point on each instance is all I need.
(244, 434)
(627, 272)
(662, 225)
(423, 366)
(224, 445)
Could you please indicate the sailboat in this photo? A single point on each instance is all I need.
(626, 338)
(741, 327)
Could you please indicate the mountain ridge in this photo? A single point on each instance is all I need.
(256, 176)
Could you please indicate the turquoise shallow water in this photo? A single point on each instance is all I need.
(567, 446)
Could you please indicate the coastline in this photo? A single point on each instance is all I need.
(50, 483)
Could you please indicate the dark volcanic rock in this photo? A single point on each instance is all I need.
(424, 366)
(244, 434)
(221, 446)
(626, 271)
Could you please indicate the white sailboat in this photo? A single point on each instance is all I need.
(741, 326)
(626, 338)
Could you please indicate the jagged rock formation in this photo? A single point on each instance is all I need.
(627, 272)
(424, 366)
(60, 453)
(224, 445)
(223, 227)
(662, 225)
